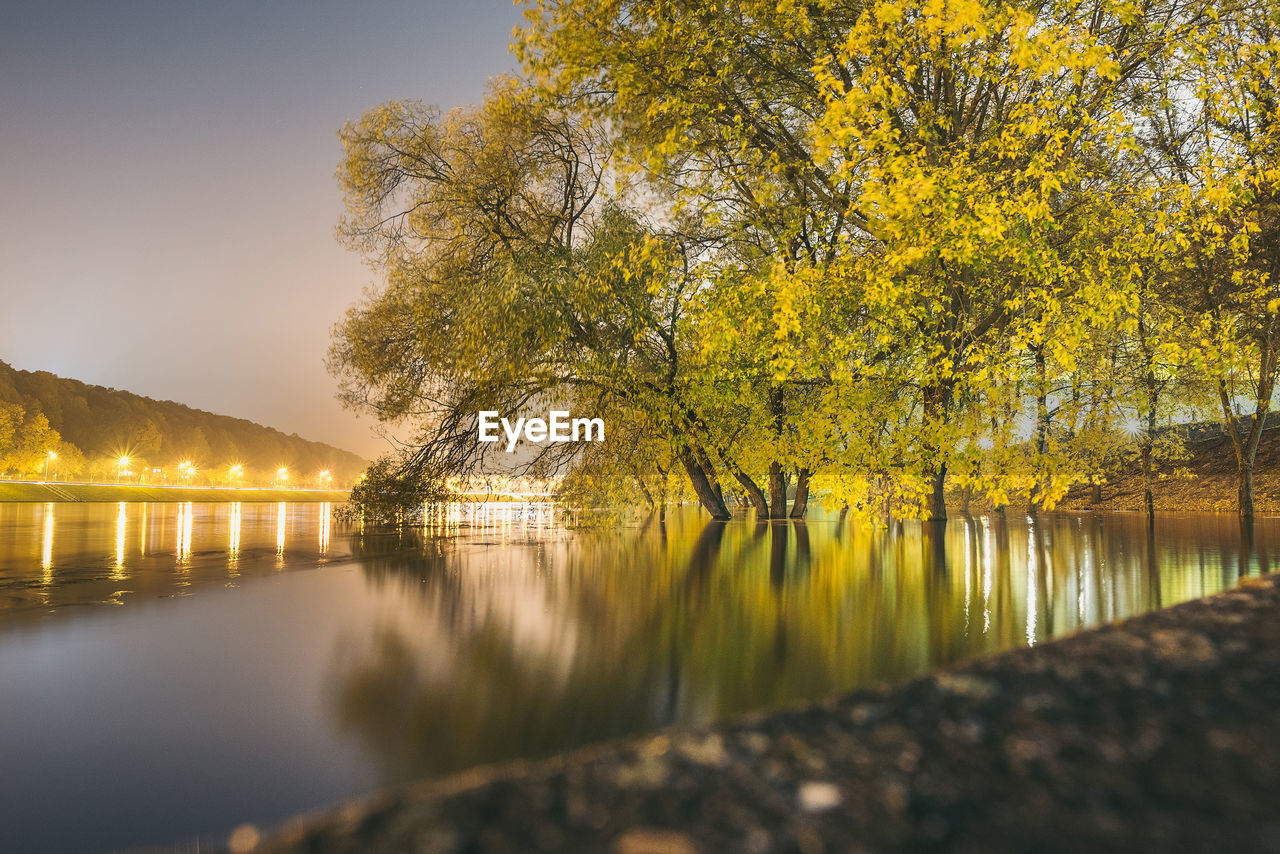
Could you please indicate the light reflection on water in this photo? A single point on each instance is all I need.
(233, 538)
(122, 527)
(281, 516)
(486, 633)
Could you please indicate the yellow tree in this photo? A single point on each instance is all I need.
(903, 190)
(1214, 118)
(978, 136)
(517, 276)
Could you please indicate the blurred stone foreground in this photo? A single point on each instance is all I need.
(1159, 733)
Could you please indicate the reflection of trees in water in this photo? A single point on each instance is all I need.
(604, 670)
(535, 646)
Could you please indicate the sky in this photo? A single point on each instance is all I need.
(167, 190)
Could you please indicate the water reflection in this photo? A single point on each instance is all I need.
(122, 527)
(442, 518)
(281, 513)
(233, 535)
(185, 522)
(488, 632)
(326, 524)
(53, 556)
(46, 548)
(544, 643)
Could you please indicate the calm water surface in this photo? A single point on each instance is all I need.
(170, 671)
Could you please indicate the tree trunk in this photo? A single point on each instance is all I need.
(800, 505)
(1246, 491)
(1097, 492)
(662, 495)
(709, 496)
(704, 462)
(644, 493)
(937, 509)
(937, 401)
(777, 492)
(754, 493)
(1153, 399)
(1146, 477)
(1042, 427)
(1244, 444)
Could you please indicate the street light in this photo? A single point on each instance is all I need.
(120, 464)
(233, 474)
(282, 474)
(324, 476)
(49, 456)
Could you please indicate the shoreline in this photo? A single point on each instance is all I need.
(39, 492)
(1159, 731)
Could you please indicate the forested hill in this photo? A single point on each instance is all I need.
(96, 426)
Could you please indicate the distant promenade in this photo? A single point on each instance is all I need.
(43, 491)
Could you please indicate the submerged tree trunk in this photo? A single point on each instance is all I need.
(645, 494)
(702, 486)
(937, 509)
(936, 403)
(662, 494)
(800, 505)
(704, 462)
(754, 494)
(777, 492)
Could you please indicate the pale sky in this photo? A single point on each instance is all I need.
(167, 199)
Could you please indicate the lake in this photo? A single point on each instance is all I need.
(171, 671)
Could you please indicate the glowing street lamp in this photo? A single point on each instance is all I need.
(325, 477)
(120, 464)
(235, 472)
(282, 474)
(48, 457)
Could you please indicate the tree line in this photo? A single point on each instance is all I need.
(881, 249)
(89, 428)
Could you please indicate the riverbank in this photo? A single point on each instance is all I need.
(1155, 733)
(12, 490)
(1204, 480)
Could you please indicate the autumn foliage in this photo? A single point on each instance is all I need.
(889, 251)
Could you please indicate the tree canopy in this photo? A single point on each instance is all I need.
(877, 249)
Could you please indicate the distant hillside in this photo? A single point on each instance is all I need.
(97, 425)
